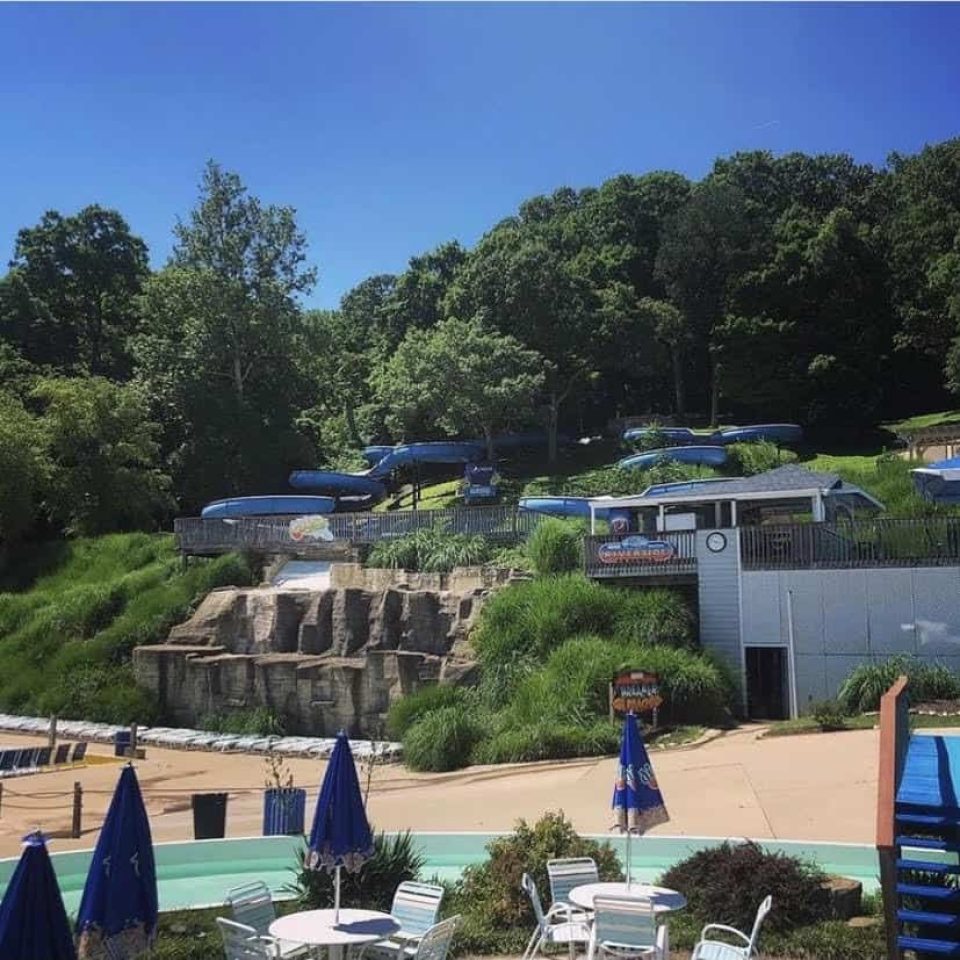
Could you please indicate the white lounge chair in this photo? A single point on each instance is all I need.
(555, 927)
(435, 943)
(252, 906)
(241, 942)
(566, 874)
(626, 928)
(711, 949)
(415, 907)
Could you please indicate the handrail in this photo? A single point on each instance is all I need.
(894, 736)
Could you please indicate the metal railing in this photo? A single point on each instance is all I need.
(921, 542)
(635, 555)
(501, 524)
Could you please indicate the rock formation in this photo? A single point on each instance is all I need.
(323, 660)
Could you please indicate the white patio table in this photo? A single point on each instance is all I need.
(317, 928)
(664, 900)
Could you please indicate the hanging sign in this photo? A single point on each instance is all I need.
(636, 550)
(313, 527)
(635, 691)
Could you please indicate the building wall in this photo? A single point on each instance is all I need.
(842, 617)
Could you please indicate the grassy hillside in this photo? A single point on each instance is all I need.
(78, 610)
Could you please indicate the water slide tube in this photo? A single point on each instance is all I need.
(784, 433)
(375, 453)
(706, 456)
(282, 505)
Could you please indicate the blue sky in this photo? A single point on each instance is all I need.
(394, 127)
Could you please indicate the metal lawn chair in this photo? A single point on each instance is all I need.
(241, 942)
(415, 907)
(555, 927)
(625, 928)
(712, 949)
(252, 906)
(566, 874)
(435, 943)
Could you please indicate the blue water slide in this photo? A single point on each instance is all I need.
(782, 433)
(452, 451)
(704, 456)
(561, 506)
(939, 481)
(376, 452)
(338, 484)
(270, 506)
(678, 435)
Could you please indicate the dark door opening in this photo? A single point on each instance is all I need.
(766, 683)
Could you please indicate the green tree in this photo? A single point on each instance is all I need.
(464, 375)
(219, 349)
(69, 301)
(25, 469)
(104, 472)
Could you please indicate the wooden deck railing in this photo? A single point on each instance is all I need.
(634, 555)
(501, 524)
(894, 736)
(927, 542)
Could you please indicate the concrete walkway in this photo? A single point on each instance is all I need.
(810, 787)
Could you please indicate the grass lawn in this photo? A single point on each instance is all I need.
(924, 420)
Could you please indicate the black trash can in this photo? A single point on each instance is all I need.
(209, 816)
(122, 741)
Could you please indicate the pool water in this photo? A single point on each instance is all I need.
(198, 873)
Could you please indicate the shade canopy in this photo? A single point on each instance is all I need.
(637, 801)
(33, 922)
(118, 912)
(341, 835)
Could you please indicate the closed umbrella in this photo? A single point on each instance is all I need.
(33, 922)
(118, 912)
(341, 835)
(637, 801)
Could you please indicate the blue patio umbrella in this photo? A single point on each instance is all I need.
(33, 922)
(341, 835)
(118, 911)
(637, 800)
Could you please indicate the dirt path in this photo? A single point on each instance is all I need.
(812, 787)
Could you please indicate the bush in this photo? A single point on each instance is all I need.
(655, 617)
(442, 739)
(870, 680)
(746, 459)
(726, 884)
(547, 741)
(431, 550)
(259, 721)
(489, 894)
(408, 710)
(829, 714)
(395, 859)
(555, 546)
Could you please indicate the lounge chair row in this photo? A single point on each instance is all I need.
(16, 762)
(186, 739)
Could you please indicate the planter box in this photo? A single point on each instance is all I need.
(284, 811)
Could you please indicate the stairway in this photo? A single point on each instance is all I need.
(927, 815)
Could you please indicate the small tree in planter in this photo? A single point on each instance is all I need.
(284, 805)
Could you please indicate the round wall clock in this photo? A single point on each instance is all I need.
(716, 542)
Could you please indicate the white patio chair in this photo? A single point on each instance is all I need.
(252, 906)
(554, 927)
(241, 942)
(626, 927)
(566, 874)
(415, 907)
(708, 949)
(435, 943)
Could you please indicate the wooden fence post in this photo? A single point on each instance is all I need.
(77, 809)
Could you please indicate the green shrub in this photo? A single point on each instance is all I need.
(442, 739)
(726, 884)
(555, 546)
(655, 616)
(403, 713)
(547, 741)
(258, 721)
(614, 481)
(489, 893)
(870, 680)
(746, 459)
(396, 858)
(431, 550)
(829, 714)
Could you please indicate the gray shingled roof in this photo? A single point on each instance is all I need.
(787, 478)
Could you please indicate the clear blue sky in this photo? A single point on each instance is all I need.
(394, 127)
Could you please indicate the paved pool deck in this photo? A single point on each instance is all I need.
(739, 784)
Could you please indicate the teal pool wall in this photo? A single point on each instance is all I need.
(198, 873)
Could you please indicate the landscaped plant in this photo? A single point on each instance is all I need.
(747, 459)
(555, 546)
(396, 858)
(497, 914)
(726, 884)
(829, 714)
(431, 550)
(870, 680)
(442, 739)
(403, 713)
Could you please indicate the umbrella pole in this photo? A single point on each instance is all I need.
(629, 834)
(336, 897)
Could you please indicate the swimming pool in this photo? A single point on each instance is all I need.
(198, 873)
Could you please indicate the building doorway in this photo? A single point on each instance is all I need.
(767, 683)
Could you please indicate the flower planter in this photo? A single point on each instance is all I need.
(284, 811)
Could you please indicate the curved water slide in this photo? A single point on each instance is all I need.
(269, 506)
(702, 456)
(784, 434)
